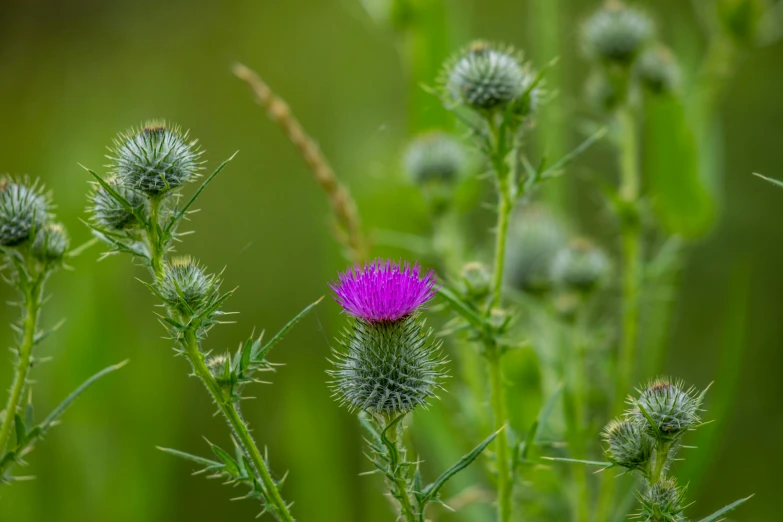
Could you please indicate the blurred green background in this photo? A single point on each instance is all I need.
(73, 73)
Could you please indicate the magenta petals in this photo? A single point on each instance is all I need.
(384, 291)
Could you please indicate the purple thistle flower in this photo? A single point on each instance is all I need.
(384, 291)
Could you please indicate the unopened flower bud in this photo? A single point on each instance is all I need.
(155, 159)
(601, 93)
(535, 239)
(476, 280)
(581, 266)
(185, 287)
(23, 209)
(51, 242)
(220, 368)
(663, 501)
(627, 444)
(111, 213)
(658, 70)
(487, 78)
(435, 158)
(669, 409)
(617, 33)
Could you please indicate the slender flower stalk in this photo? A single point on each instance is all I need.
(137, 211)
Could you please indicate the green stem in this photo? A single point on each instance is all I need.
(32, 297)
(505, 481)
(157, 250)
(661, 457)
(399, 484)
(580, 392)
(631, 251)
(237, 425)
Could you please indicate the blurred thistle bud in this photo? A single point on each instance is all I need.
(435, 158)
(662, 501)
(581, 266)
(387, 364)
(616, 33)
(627, 444)
(535, 239)
(669, 410)
(741, 19)
(23, 209)
(602, 93)
(488, 78)
(51, 242)
(155, 159)
(112, 214)
(220, 368)
(186, 288)
(475, 280)
(658, 70)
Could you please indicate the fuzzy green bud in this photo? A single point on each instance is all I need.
(220, 368)
(627, 444)
(434, 158)
(387, 367)
(662, 502)
(111, 213)
(535, 239)
(616, 33)
(155, 159)
(51, 242)
(658, 70)
(581, 266)
(476, 281)
(23, 209)
(487, 78)
(185, 287)
(669, 410)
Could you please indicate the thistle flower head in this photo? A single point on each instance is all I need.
(658, 70)
(669, 409)
(617, 33)
(535, 238)
(23, 209)
(51, 242)
(627, 444)
(111, 213)
(487, 77)
(581, 266)
(384, 291)
(185, 287)
(386, 368)
(663, 501)
(155, 158)
(434, 157)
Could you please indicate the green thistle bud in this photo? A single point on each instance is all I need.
(534, 240)
(672, 410)
(627, 444)
(23, 209)
(617, 33)
(487, 78)
(476, 280)
(581, 266)
(112, 214)
(387, 367)
(220, 368)
(662, 502)
(658, 70)
(435, 158)
(155, 159)
(186, 288)
(51, 242)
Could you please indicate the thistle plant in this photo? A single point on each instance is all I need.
(33, 246)
(646, 440)
(138, 209)
(386, 366)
